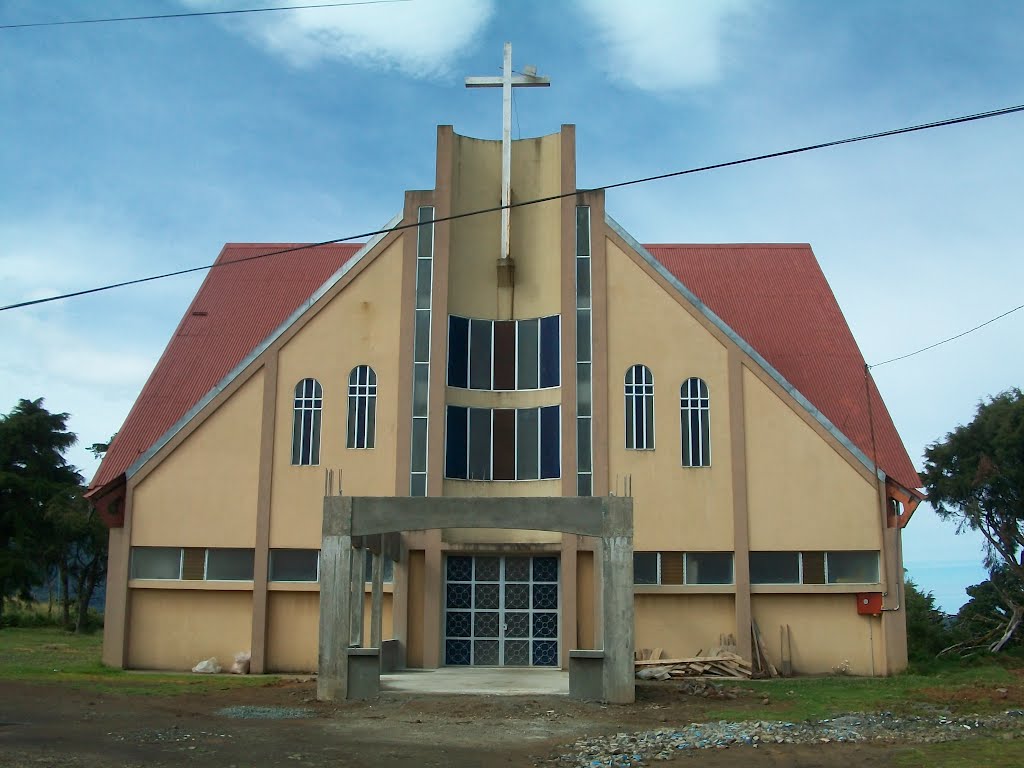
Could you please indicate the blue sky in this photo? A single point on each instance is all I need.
(136, 148)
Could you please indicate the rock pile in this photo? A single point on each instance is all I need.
(634, 749)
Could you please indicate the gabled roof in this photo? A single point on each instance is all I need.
(774, 297)
(237, 307)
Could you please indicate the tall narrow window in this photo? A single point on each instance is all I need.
(639, 408)
(309, 403)
(695, 423)
(362, 406)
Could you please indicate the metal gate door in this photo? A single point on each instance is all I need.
(501, 611)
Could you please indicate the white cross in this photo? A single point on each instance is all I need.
(507, 82)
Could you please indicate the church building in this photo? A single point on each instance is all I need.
(538, 350)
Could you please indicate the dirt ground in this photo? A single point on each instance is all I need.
(44, 725)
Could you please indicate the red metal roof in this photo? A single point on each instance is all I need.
(777, 299)
(237, 307)
(774, 296)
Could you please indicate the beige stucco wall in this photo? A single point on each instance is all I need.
(675, 507)
(359, 326)
(293, 631)
(585, 599)
(175, 629)
(204, 493)
(802, 494)
(682, 625)
(535, 240)
(414, 641)
(825, 631)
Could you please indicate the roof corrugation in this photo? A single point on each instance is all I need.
(237, 307)
(777, 299)
(774, 296)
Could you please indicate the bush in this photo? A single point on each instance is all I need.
(30, 613)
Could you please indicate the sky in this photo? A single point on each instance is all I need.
(137, 148)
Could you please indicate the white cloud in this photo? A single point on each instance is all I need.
(418, 38)
(658, 45)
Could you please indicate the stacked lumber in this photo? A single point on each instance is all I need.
(723, 664)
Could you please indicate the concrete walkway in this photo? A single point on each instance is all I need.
(493, 681)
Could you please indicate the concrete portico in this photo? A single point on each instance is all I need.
(347, 670)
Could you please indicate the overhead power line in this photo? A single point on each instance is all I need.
(946, 341)
(478, 212)
(193, 14)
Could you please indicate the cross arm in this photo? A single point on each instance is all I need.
(518, 81)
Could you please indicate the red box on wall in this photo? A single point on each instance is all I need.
(869, 603)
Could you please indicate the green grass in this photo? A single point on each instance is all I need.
(52, 655)
(989, 751)
(910, 693)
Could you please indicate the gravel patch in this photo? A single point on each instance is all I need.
(244, 712)
(633, 749)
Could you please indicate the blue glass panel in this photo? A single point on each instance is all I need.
(517, 653)
(458, 351)
(549, 357)
(545, 596)
(485, 652)
(545, 569)
(459, 568)
(458, 624)
(545, 625)
(550, 442)
(459, 596)
(545, 653)
(485, 624)
(456, 652)
(455, 442)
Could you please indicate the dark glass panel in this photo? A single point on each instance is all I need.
(480, 354)
(583, 334)
(419, 445)
(485, 653)
(487, 568)
(645, 567)
(550, 363)
(504, 444)
(550, 442)
(479, 444)
(517, 569)
(527, 376)
(425, 238)
(418, 485)
(545, 653)
(455, 442)
(527, 448)
(584, 389)
(814, 567)
(458, 568)
(421, 348)
(458, 351)
(505, 355)
(545, 596)
(583, 450)
(584, 485)
(545, 625)
(423, 284)
(709, 568)
(582, 230)
(583, 283)
(458, 624)
(774, 567)
(456, 652)
(420, 388)
(545, 569)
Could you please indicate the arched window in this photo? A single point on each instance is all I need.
(639, 408)
(362, 406)
(309, 403)
(695, 423)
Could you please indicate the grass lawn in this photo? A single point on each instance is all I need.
(980, 688)
(988, 751)
(49, 654)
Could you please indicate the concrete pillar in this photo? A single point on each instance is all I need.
(377, 603)
(336, 560)
(395, 548)
(358, 591)
(617, 601)
(569, 593)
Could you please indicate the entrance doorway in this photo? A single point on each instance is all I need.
(501, 610)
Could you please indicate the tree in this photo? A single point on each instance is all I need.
(975, 477)
(32, 473)
(78, 550)
(927, 633)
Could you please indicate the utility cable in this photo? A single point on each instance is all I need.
(946, 341)
(536, 201)
(193, 14)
